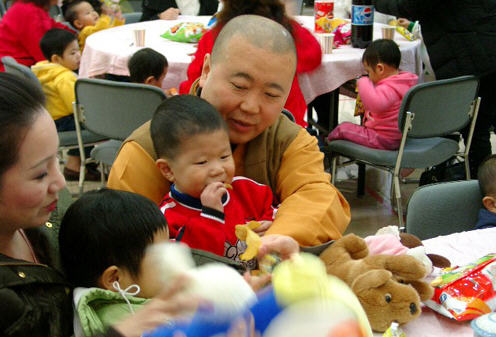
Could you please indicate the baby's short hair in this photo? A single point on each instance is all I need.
(382, 51)
(180, 117)
(55, 41)
(70, 11)
(105, 228)
(144, 63)
(487, 176)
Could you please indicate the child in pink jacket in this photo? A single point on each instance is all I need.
(381, 93)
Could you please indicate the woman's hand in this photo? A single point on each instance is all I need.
(168, 304)
(170, 13)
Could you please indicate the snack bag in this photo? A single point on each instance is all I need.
(464, 293)
(342, 34)
(189, 32)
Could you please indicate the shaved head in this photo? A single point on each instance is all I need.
(257, 30)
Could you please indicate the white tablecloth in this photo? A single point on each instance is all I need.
(460, 249)
(108, 51)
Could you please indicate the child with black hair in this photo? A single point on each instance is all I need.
(58, 79)
(487, 183)
(81, 15)
(202, 208)
(103, 241)
(381, 94)
(148, 66)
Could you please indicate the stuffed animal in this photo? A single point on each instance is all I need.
(389, 287)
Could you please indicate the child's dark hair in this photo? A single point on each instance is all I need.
(144, 63)
(55, 41)
(179, 117)
(382, 51)
(105, 228)
(487, 176)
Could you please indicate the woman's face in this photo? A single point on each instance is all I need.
(29, 188)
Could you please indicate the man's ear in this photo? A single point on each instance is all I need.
(165, 169)
(207, 67)
(489, 203)
(108, 277)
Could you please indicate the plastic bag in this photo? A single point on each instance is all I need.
(189, 32)
(464, 293)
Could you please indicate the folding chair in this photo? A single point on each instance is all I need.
(428, 112)
(114, 110)
(444, 208)
(11, 66)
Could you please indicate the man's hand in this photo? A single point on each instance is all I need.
(283, 245)
(403, 22)
(212, 196)
(170, 13)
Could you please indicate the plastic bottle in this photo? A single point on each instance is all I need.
(324, 13)
(362, 23)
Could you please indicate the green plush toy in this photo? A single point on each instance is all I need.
(189, 32)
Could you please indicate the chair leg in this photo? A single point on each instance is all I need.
(397, 193)
(334, 169)
(102, 175)
(82, 176)
(361, 180)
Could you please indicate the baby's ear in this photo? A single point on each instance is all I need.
(165, 169)
(489, 203)
(78, 24)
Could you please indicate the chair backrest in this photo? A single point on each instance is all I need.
(11, 66)
(132, 17)
(440, 107)
(115, 109)
(444, 208)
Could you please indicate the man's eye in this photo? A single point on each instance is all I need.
(41, 176)
(237, 86)
(203, 162)
(271, 95)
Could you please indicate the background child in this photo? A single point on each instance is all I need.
(103, 239)
(81, 15)
(192, 143)
(148, 66)
(381, 93)
(58, 79)
(487, 183)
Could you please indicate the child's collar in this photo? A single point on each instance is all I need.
(190, 201)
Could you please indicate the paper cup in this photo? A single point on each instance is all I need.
(325, 40)
(139, 37)
(388, 32)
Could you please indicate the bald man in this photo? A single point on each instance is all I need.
(247, 77)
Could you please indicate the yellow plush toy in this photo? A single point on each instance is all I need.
(389, 287)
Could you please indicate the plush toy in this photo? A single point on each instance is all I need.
(389, 287)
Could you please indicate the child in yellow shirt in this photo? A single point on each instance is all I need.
(83, 17)
(57, 78)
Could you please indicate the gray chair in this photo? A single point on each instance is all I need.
(67, 139)
(114, 110)
(132, 17)
(444, 208)
(11, 66)
(428, 112)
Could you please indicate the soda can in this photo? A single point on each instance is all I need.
(324, 13)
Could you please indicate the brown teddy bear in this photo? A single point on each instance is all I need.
(389, 287)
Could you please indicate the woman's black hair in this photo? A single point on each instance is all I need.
(105, 228)
(20, 103)
(272, 9)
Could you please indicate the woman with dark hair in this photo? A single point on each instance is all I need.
(22, 28)
(308, 49)
(34, 295)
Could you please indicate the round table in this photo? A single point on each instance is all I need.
(108, 51)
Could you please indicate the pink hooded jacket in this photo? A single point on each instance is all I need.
(383, 100)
